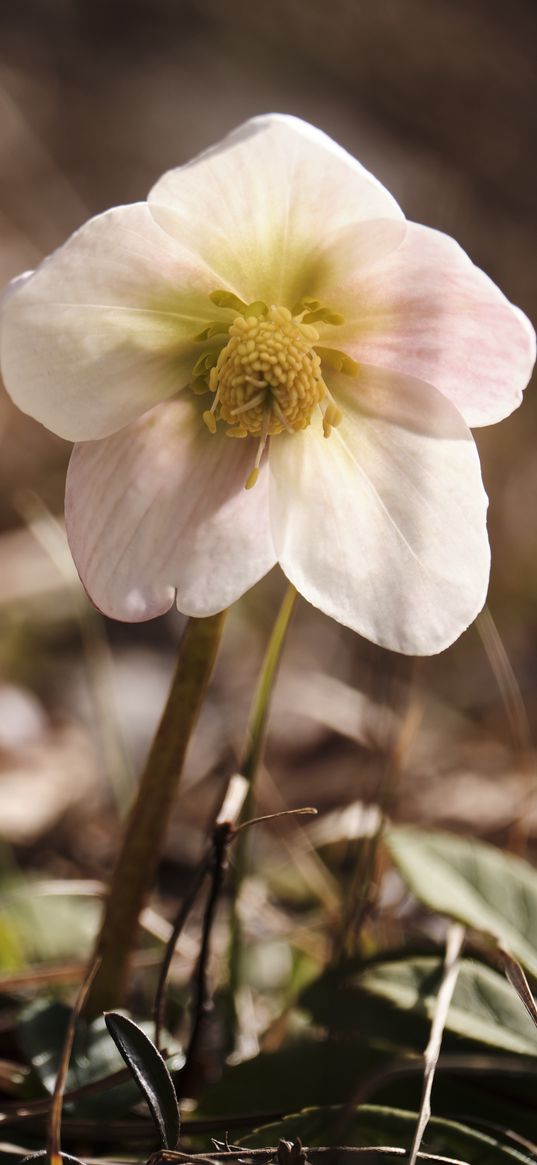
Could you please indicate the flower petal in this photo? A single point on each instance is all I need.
(383, 525)
(257, 206)
(162, 506)
(427, 311)
(103, 329)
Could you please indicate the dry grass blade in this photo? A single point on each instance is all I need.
(55, 1116)
(507, 682)
(50, 534)
(517, 717)
(454, 944)
(518, 980)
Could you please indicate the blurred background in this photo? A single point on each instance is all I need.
(97, 99)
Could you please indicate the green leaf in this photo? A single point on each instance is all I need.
(40, 926)
(475, 883)
(41, 1031)
(150, 1072)
(375, 1126)
(484, 1008)
(307, 1071)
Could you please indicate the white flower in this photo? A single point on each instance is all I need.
(349, 348)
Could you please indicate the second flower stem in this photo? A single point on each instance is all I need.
(138, 858)
(255, 740)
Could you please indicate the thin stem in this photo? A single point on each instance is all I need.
(255, 740)
(137, 862)
(255, 735)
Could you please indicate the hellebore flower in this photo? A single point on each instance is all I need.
(271, 291)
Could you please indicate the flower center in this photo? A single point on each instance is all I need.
(267, 377)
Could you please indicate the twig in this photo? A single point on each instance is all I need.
(55, 1114)
(223, 833)
(455, 940)
(307, 811)
(229, 813)
(201, 1000)
(182, 915)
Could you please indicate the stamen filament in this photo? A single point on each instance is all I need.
(254, 474)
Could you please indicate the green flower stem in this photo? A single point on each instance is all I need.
(255, 735)
(255, 741)
(137, 862)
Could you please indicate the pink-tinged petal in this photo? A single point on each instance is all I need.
(102, 331)
(161, 507)
(383, 524)
(257, 206)
(425, 310)
(342, 253)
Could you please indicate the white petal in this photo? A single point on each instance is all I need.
(383, 524)
(426, 310)
(162, 506)
(257, 206)
(103, 329)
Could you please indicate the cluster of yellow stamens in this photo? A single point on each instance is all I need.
(267, 378)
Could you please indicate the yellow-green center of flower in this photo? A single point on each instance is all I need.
(267, 376)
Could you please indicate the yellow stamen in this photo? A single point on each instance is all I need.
(265, 371)
(268, 373)
(210, 420)
(332, 416)
(250, 404)
(281, 417)
(252, 478)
